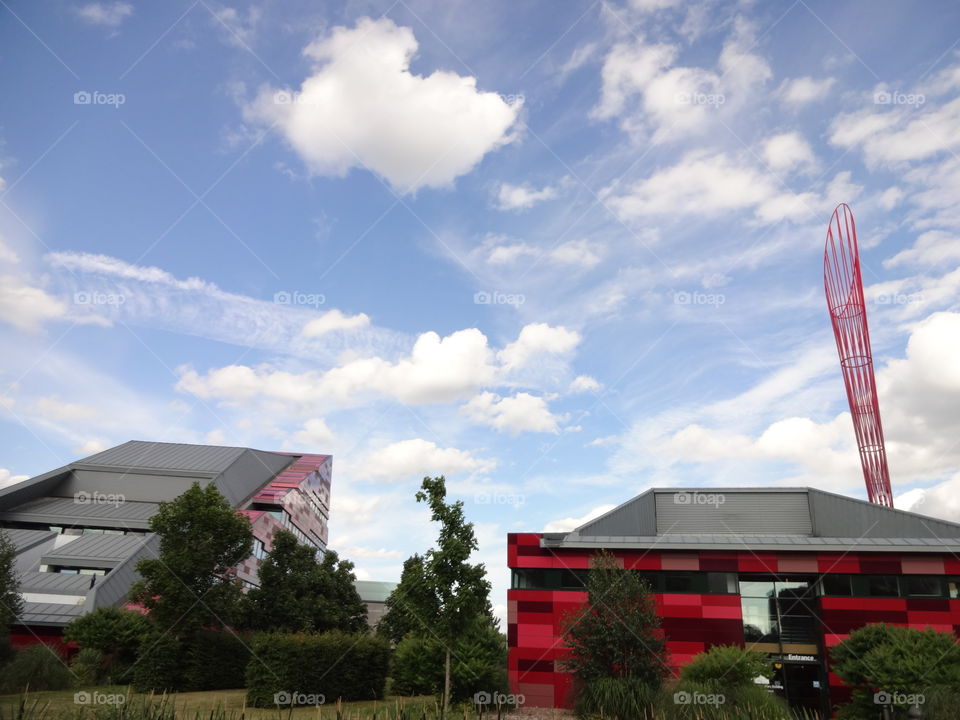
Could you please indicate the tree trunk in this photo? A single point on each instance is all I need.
(446, 684)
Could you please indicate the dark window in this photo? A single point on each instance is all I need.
(882, 586)
(721, 583)
(679, 583)
(923, 586)
(759, 620)
(837, 585)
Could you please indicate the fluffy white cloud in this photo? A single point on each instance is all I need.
(787, 151)
(581, 253)
(363, 108)
(930, 248)
(335, 320)
(537, 339)
(572, 523)
(315, 436)
(417, 458)
(53, 408)
(7, 478)
(107, 14)
(522, 197)
(93, 446)
(26, 307)
(941, 500)
(506, 254)
(519, 413)
(584, 383)
(802, 90)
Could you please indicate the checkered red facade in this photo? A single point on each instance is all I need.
(694, 623)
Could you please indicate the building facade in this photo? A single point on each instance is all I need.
(79, 530)
(788, 572)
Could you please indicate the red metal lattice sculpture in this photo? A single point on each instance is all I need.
(848, 313)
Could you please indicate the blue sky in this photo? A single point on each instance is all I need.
(560, 252)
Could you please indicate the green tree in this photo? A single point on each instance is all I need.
(412, 605)
(11, 604)
(616, 634)
(114, 633)
(299, 594)
(192, 583)
(727, 666)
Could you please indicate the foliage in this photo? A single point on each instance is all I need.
(412, 605)
(622, 698)
(39, 666)
(299, 594)
(901, 662)
(617, 632)
(478, 663)
(202, 539)
(727, 666)
(690, 701)
(115, 633)
(159, 666)
(332, 664)
(209, 660)
(11, 604)
(87, 667)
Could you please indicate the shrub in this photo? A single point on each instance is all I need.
(159, 666)
(40, 667)
(215, 661)
(616, 699)
(333, 664)
(87, 667)
(689, 701)
(417, 666)
(727, 666)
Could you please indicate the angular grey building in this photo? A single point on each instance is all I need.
(79, 530)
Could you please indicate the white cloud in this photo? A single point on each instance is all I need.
(26, 307)
(7, 478)
(584, 383)
(335, 320)
(652, 5)
(418, 458)
(363, 108)
(787, 151)
(106, 14)
(581, 253)
(520, 413)
(571, 523)
(537, 339)
(238, 29)
(522, 197)
(91, 447)
(315, 436)
(930, 248)
(802, 90)
(52, 407)
(941, 500)
(506, 254)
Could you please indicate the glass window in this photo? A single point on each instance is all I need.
(759, 620)
(721, 583)
(73, 531)
(923, 586)
(837, 585)
(882, 586)
(953, 587)
(757, 588)
(67, 571)
(679, 582)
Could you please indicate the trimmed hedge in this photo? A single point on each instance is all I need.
(210, 660)
(333, 664)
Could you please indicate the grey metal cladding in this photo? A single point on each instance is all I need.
(249, 472)
(35, 613)
(838, 515)
(165, 456)
(24, 539)
(741, 512)
(634, 517)
(94, 551)
(35, 487)
(115, 586)
(55, 583)
(68, 512)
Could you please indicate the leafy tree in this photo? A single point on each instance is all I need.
(617, 632)
(900, 662)
(727, 666)
(115, 634)
(11, 604)
(192, 584)
(411, 605)
(299, 594)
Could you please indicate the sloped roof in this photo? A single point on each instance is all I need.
(95, 550)
(70, 511)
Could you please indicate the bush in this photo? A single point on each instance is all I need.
(727, 666)
(689, 701)
(159, 666)
(333, 664)
(87, 667)
(39, 667)
(216, 661)
(616, 699)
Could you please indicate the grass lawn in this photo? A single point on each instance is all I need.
(190, 705)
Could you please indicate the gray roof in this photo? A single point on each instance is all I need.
(24, 539)
(56, 583)
(137, 454)
(68, 512)
(35, 613)
(759, 518)
(99, 551)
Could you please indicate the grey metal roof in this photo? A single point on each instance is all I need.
(751, 542)
(69, 512)
(95, 551)
(35, 613)
(138, 454)
(24, 539)
(56, 583)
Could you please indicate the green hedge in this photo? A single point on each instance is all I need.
(209, 661)
(332, 664)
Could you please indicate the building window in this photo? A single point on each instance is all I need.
(923, 586)
(881, 586)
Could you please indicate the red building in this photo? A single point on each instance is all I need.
(788, 571)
